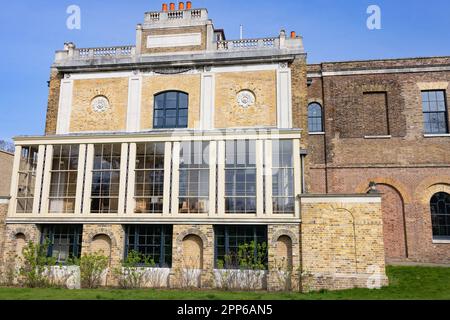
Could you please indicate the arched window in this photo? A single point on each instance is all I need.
(171, 110)
(315, 123)
(440, 216)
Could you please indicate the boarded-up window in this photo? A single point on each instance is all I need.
(375, 114)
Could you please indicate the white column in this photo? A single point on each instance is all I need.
(284, 108)
(47, 179)
(88, 179)
(131, 201)
(297, 176)
(15, 181)
(268, 175)
(123, 178)
(259, 178)
(207, 102)
(175, 177)
(212, 177)
(221, 178)
(80, 178)
(167, 174)
(38, 182)
(134, 104)
(65, 106)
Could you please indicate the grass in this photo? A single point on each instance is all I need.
(406, 283)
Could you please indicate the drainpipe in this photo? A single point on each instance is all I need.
(303, 154)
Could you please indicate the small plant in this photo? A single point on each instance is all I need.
(35, 264)
(131, 274)
(191, 273)
(283, 272)
(244, 269)
(10, 272)
(92, 268)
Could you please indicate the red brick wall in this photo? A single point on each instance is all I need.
(406, 165)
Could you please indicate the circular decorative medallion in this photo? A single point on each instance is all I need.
(246, 98)
(100, 104)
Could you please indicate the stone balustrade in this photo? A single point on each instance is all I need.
(248, 44)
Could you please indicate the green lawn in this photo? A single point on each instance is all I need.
(406, 283)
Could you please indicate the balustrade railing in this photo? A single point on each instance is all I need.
(248, 44)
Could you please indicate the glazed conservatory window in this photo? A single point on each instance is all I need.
(194, 177)
(63, 185)
(65, 241)
(171, 110)
(315, 118)
(435, 112)
(440, 216)
(154, 242)
(149, 186)
(106, 178)
(283, 177)
(27, 179)
(228, 240)
(240, 177)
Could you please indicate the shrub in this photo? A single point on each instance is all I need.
(130, 274)
(92, 268)
(35, 263)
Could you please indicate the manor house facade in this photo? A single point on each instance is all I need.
(186, 145)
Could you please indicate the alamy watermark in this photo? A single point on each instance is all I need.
(374, 19)
(73, 21)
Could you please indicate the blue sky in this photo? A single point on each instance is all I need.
(333, 30)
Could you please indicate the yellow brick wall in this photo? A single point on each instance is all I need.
(342, 244)
(84, 118)
(190, 84)
(6, 164)
(229, 114)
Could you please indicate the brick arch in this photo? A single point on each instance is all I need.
(421, 191)
(189, 232)
(105, 232)
(398, 186)
(283, 233)
(14, 233)
(432, 190)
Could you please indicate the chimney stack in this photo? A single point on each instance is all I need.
(293, 35)
(181, 6)
(189, 5)
(172, 6)
(164, 7)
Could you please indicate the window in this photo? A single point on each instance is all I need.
(283, 177)
(315, 123)
(435, 112)
(240, 177)
(106, 178)
(171, 110)
(154, 242)
(440, 216)
(149, 186)
(194, 177)
(65, 241)
(27, 179)
(63, 185)
(228, 239)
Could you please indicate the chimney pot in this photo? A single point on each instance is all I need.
(181, 6)
(172, 6)
(164, 7)
(293, 35)
(189, 5)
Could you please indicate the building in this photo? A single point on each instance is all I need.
(185, 146)
(6, 164)
(387, 122)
